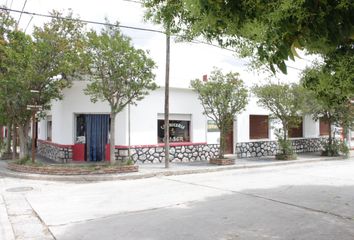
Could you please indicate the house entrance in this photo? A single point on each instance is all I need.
(91, 137)
(229, 141)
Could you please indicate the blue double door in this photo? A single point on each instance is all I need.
(96, 135)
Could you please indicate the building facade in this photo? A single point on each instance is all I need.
(78, 130)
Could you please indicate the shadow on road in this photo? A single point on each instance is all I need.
(288, 212)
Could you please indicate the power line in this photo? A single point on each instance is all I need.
(82, 20)
(132, 1)
(108, 24)
(19, 19)
(116, 25)
(28, 23)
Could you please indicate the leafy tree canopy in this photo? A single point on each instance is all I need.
(222, 97)
(119, 73)
(286, 102)
(43, 62)
(331, 83)
(269, 31)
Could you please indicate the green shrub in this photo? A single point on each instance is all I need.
(128, 161)
(2, 146)
(286, 151)
(24, 161)
(337, 148)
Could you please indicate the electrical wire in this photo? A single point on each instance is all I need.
(117, 25)
(19, 19)
(28, 24)
(82, 20)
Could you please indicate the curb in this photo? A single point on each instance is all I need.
(133, 176)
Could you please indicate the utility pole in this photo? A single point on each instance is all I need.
(33, 134)
(129, 143)
(167, 93)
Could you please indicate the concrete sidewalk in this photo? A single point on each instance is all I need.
(157, 169)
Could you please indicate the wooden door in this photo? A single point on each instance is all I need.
(230, 141)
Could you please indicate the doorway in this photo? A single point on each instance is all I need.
(229, 149)
(92, 136)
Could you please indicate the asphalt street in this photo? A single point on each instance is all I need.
(303, 201)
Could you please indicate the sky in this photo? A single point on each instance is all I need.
(189, 61)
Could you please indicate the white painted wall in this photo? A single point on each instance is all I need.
(143, 117)
(311, 127)
(242, 121)
(42, 132)
(184, 105)
(76, 102)
(241, 133)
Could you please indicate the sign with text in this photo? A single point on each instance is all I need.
(212, 126)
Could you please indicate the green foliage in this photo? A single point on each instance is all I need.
(335, 148)
(222, 97)
(286, 102)
(120, 74)
(24, 161)
(28, 161)
(268, 31)
(331, 85)
(44, 62)
(2, 146)
(287, 152)
(59, 55)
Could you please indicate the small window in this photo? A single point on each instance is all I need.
(179, 131)
(296, 132)
(324, 126)
(259, 126)
(49, 128)
(80, 128)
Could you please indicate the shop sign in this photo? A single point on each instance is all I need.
(212, 126)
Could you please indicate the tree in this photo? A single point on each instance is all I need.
(14, 84)
(15, 52)
(269, 31)
(331, 84)
(119, 73)
(286, 103)
(45, 62)
(222, 97)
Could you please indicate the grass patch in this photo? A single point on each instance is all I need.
(28, 161)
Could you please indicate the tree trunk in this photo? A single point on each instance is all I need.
(14, 142)
(167, 86)
(8, 138)
(23, 134)
(330, 138)
(285, 130)
(285, 136)
(222, 142)
(112, 139)
(1, 133)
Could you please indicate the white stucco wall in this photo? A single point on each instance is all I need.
(76, 102)
(143, 117)
(311, 127)
(184, 105)
(243, 124)
(42, 126)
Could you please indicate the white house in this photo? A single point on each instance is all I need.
(77, 130)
